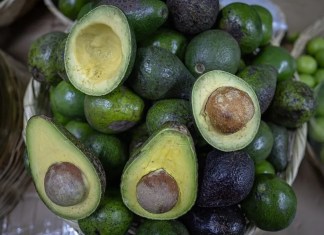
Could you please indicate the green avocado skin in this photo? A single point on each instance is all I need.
(266, 20)
(263, 80)
(168, 110)
(111, 217)
(159, 74)
(145, 16)
(59, 64)
(279, 153)
(293, 104)
(162, 227)
(42, 57)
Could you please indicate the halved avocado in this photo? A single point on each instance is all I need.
(160, 181)
(69, 180)
(226, 110)
(100, 51)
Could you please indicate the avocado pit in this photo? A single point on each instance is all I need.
(229, 109)
(157, 192)
(65, 184)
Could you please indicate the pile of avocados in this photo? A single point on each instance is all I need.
(166, 117)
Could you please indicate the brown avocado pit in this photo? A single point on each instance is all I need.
(229, 109)
(157, 192)
(65, 184)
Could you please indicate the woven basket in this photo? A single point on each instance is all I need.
(315, 29)
(10, 10)
(54, 10)
(13, 177)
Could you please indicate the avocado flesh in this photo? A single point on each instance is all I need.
(100, 51)
(49, 144)
(170, 149)
(202, 90)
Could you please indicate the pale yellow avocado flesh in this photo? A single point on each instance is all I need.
(204, 86)
(98, 51)
(46, 145)
(173, 152)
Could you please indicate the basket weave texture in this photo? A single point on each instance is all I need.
(13, 176)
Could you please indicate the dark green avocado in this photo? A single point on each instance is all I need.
(215, 221)
(161, 227)
(226, 180)
(193, 16)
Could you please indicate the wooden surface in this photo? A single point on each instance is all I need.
(309, 186)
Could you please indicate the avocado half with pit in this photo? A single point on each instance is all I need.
(226, 110)
(100, 51)
(68, 178)
(160, 180)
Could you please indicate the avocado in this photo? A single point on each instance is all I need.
(80, 129)
(279, 152)
(264, 167)
(85, 9)
(145, 16)
(100, 51)
(212, 50)
(160, 180)
(293, 104)
(68, 100)
(55, 114)
(217, 102)
(71, 8)
(59, 63)
(193, 16)
(244, 23)
(226, 180)
(161, 227)
(159, 74)
(169, 39)
(266, 21)
(272, 203)
(115, 112)
(168, 110)
(227, 220)
(263, 80)
(68, 178)
(279, 58)
(111, 152)
(111, 217)
(260, 147)
(42, 57)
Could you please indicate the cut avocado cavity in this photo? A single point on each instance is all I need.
(68, 179)
(100, 51)
(160, 180)
(226, 110)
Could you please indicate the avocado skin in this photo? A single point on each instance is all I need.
(42, 57)
(59, 64)
(279, 152)
(226, 180)
(293, 104)
(145, 16)
(162, 227)
(215, 220)
(139, 135)
(159, 74)
(193, 16)
(111, 217)
(263, 80)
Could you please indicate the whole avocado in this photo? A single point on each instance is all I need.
(162, 227)
(193, 16)
(42, 57)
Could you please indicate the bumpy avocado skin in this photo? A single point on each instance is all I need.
(60, 67)
(293, 104)
(162, 227)
(159, 74)
(263, 80)
(145, 16)
(42, 57)
(215, 221)
(193, 16)
(226, 180)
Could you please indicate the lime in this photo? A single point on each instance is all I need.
(314, 44)
(306, 64)
(319, 75)
(319, 57)
(264, 167)
(308, 79)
